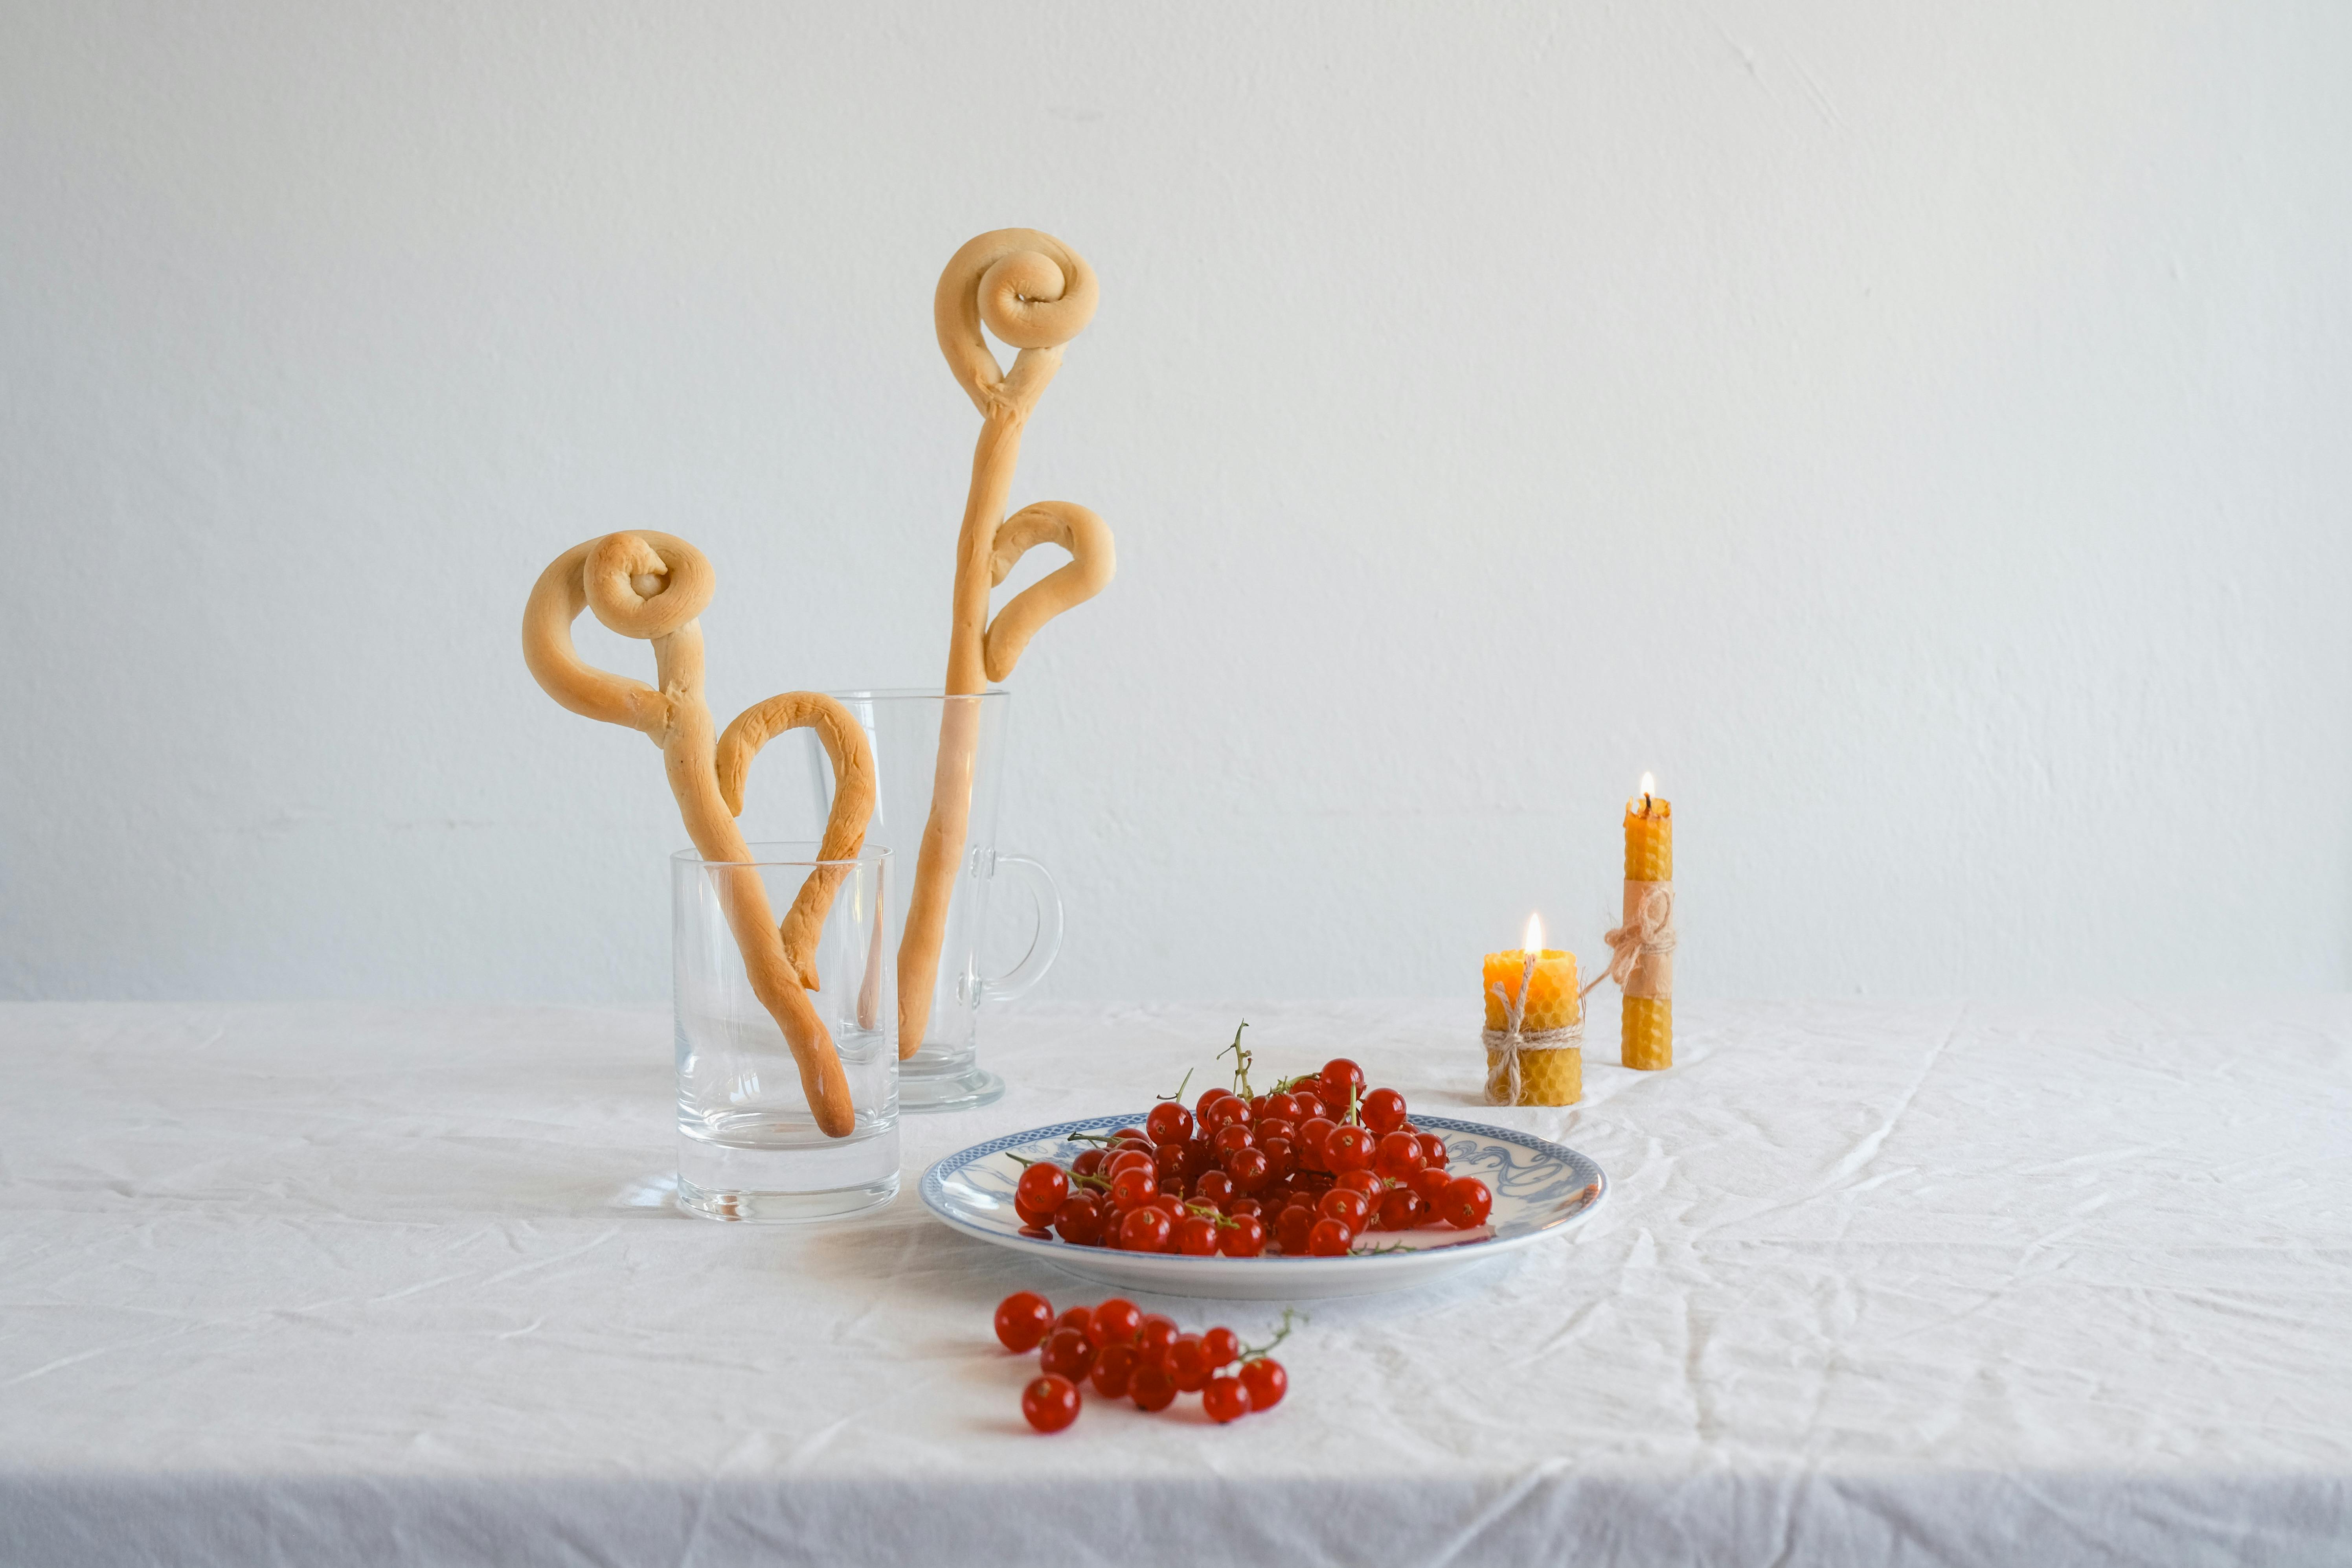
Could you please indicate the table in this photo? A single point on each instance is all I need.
(1955, 1283)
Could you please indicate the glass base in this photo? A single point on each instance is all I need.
(785, 1208)
(787, 1184)
(965, 1091)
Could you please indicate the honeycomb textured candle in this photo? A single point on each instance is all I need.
(1646, 1029)
(1545, 1077)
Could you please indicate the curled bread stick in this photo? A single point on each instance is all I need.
(652, 587)
(852, 800)
(1036, 294)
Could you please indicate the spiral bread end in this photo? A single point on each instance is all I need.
(1032, 290)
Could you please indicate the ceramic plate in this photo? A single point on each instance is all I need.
(1540, 1189)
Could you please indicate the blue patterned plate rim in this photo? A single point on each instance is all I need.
(934, 1190)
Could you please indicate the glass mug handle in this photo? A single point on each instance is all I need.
(1044, 943)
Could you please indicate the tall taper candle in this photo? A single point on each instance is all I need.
(1646, 1032)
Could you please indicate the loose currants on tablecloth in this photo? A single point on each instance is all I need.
(1128, 1353)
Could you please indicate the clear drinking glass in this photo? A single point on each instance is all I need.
(904, 728)
(748, 1146)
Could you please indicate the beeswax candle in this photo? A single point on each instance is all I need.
(1646, 1032)
(1553, 1076)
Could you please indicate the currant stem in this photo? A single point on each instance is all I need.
(1291, 1318)
(1241, 1062)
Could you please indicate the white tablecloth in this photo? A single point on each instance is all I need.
(1955, 1284)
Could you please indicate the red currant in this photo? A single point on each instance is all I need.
(1196, 1235)
(1088, 1163)
(1281, 1155)
(1309, 1104)
(1222, 1346)
(1134, 1187)
(1249, 1168)
(1350, 1148)
(1227, 1113)
(1246, 1205)
(1232, 1139)
(1433, 1150)
(1245, 1237)
(1214, 1188)
(1401, 1208)
(1168, 1161)
(1341, 1078)
(1112, 1368)
(1050, 1404)
(1362, 1182)
(1169, 1122)
(1152, 1385)
(1113, 1323)
(1345, 1205)
(1282, 1105)
(1155, 1334)
(1066, 1354)
(1190, 1363)
(1144, 1230)
(1431, 1185)
(1134, 1134)
(1079, 1219)
(1225, 1399)
(1467, 1203)
(1199, 1157)
(1398, 1156)
(1023, 1319)
(1315, 1143)
(1075, 1318)
(1383, 1110)
(1209, 1097)
(1265, 1380)
(1043, 1186)
(1290, 1228)
(1330, 1238)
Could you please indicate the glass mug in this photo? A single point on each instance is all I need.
(903, 726)
(748, 1146)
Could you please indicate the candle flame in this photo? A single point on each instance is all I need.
(1640, 805)
(1533, 941)
(1649, 784)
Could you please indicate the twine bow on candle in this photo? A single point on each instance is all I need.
(1505, 1081)
(1649, 929)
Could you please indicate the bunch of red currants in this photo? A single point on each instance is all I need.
(1306, 1169)
(1127, 1353)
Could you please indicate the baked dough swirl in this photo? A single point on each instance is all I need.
(652, 587)
(1036, 294)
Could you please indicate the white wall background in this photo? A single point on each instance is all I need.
(1922, 435)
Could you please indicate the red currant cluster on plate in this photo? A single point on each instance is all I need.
(1304, 1170)
(1128, 1354)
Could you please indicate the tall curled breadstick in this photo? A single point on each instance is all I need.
(651, 587)
(1036, 294)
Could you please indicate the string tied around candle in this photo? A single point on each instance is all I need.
(1504, 1080)
(1649, 929)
